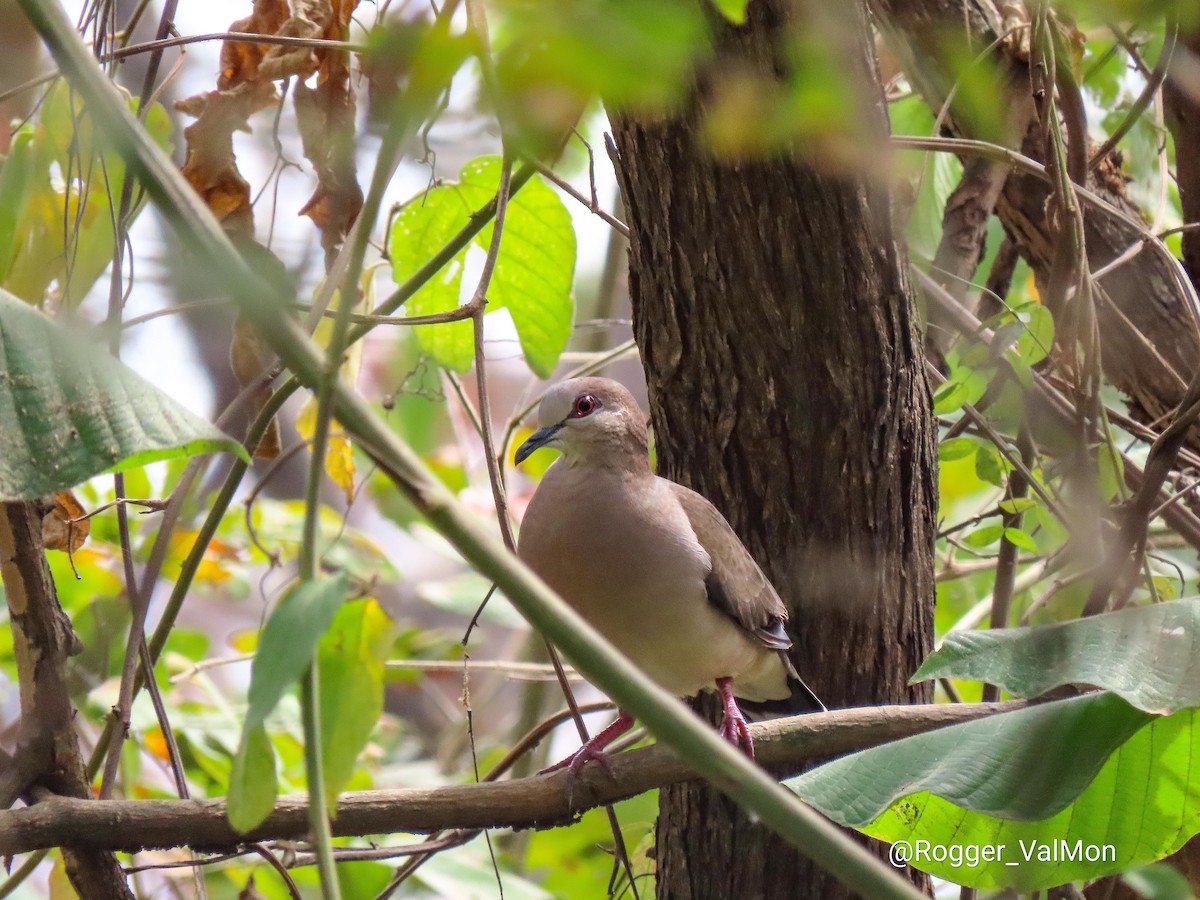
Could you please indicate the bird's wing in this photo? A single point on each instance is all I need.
(736, 585)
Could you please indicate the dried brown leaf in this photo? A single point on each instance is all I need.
(309, 19)
(325, 115)
(211, 167)
(240, 60)
(60, 531)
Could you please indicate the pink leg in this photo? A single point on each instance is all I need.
(734, 727)
(592, 750)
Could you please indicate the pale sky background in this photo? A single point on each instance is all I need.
(296, 238)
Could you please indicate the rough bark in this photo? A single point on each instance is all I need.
(1182, 96)
(787, 385)
(964, 229)
(42, 640)
(1149, 343)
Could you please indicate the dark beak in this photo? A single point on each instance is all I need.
(539, 438)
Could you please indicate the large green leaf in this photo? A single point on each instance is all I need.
(69, 410)
(289, 640)
(533, 274)
(934, 175)
(420, 229)
(1143, 804)
(1150, 655)
(252, 781)
(285, 650)
(351, 659)
(1026, 764)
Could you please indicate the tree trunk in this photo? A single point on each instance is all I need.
(1183, 118)
(787, 384)
(48, 758)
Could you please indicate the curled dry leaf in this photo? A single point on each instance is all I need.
(239, 59)
(211, 168)
(326, 120)
(309, 19)
(325, 115)
(244, 87)
(63, 525)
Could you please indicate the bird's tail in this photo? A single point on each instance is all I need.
(800, 699)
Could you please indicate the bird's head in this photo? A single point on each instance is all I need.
(593, 420)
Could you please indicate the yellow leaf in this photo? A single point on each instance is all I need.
(339, 462)
(60, 885)
(339, 456)
(157, 744)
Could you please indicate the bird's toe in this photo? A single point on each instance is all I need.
(736, 730)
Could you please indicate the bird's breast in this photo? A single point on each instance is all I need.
(630, 564)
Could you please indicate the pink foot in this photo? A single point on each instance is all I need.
(593, 750)
(734, 727)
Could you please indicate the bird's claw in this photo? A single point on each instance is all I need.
(735, 729)
(576, 761)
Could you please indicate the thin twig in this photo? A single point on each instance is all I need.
(1006, 565)
(550, 175)
(1154, 83)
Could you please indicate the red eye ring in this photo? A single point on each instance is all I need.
(584, 405)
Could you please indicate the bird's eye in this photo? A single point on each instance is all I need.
(585, 405)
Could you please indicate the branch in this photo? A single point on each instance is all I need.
(535, 802)
(42, 641)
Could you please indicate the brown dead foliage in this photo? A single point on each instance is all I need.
(211, 167)
(325, 114)
(64, 525)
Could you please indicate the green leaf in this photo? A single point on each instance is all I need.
(1015, 505)
(1159, 881)
(933, 174)
(957, 448)
(63, 219)
(940, 176)
(74, 411)
(1141, 805)
(252, 781)
(16, 182)
(1024, 765)
(351, 659)
(1148, 655)
(733, 10)
(536, 265)
(1019, 538)
(990, 466)
(1038, 336)
(948, 398)
(420, 229)
(637, 56)
(1111, 470)
(289, 640)
(533, 274)
(983, 537)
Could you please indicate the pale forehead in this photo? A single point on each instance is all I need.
(556, 405)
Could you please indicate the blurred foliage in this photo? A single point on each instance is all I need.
(57, 190)
(398, 594)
